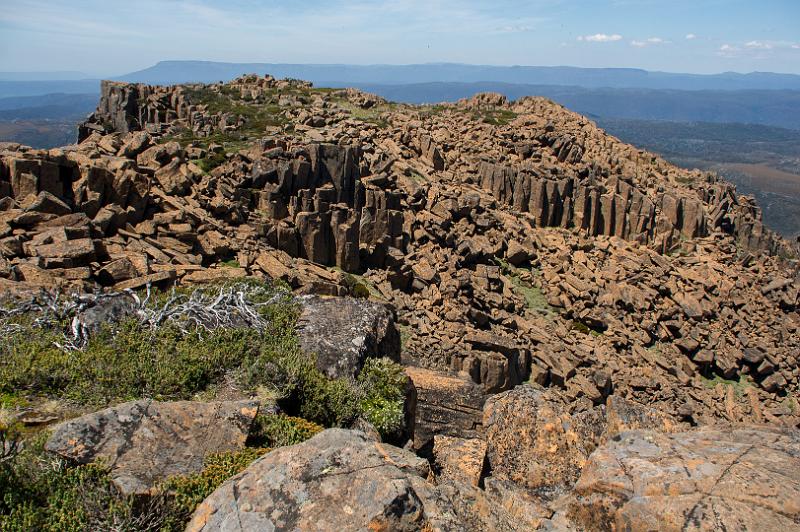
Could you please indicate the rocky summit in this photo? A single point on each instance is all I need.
(597, 339)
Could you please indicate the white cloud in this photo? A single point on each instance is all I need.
(728, 50)
(601, 37)
(796, 46)
(758, 45)
(690, 36)
(648, 42)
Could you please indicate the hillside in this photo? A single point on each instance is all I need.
(561, 302)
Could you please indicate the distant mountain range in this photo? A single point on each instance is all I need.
(169, 72)
(758, 98)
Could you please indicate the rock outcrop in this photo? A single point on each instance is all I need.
(737, 478)
(535, 441)
(146, 442)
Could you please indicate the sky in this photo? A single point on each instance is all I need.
(111, 37)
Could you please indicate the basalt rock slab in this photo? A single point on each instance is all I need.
(145, 442)
(337, 480)
(344, 332)
(740, 478)
(446, 405)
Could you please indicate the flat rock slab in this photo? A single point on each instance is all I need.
(338, 480)
(708, 479)
(344, 332)
(145, 442)
(446, 404)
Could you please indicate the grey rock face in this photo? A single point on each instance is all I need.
(344, 332)
(145, 442)
(339, 480)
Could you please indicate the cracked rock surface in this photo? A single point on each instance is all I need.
(708, 479)
(343, 332)
(338, 480)
(145, 442)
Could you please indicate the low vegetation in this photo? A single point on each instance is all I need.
(495, 117)
(182, 344)
(256, 118)
(373, 115)
(739, 385)
(535, 300)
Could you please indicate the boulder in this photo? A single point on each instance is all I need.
(534, 439)
(338, 480)
(743, 478)
(146, 442)
(47, 203)
(175, 178)
(344, 332)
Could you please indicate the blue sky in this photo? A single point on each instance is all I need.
(110, 37)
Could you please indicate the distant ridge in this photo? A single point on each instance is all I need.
(172, 72)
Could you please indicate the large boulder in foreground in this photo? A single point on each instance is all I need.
(343, 332)
(535, 441)
(338, 480)
(744, 478)
(145, 442)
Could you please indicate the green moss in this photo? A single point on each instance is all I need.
(232, 263)
(582, 328)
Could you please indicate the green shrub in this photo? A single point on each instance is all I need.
(384, 384)
(40, 493)
(281, 430)
(185, 492)
(127, 363)
(332, 403)
(212, 161)
(129, 360)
